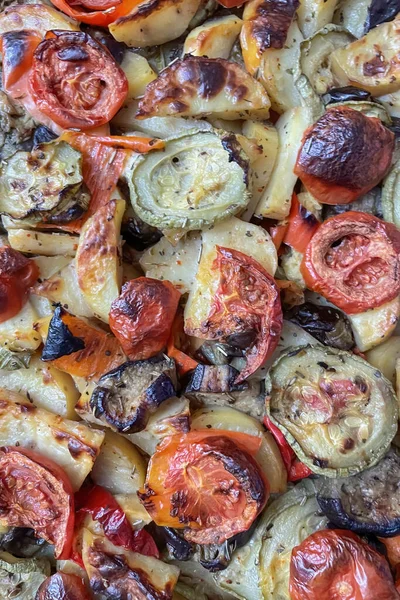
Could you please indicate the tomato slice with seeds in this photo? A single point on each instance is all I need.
(354, 261)
(75, 81)
(247, 300)
(207, 482)
(35, 492)
(142, 316)
(338, 565)
(17, 275)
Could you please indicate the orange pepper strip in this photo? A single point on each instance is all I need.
(184, 363)
(103, 18)
(131, 142)
(277, 233)
(300, 229)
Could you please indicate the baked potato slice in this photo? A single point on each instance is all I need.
(196, 86)
(44, 244)
(98, 258)
(215, 38)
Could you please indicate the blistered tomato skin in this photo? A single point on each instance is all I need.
(207, 483)
(76, 82)
(17, 275)
(36, 493)
(353, 260)
(63, 586)
(344, 155)
(142, 316)
(247, 300)
(338, 565)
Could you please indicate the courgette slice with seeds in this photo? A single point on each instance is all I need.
(338, 413)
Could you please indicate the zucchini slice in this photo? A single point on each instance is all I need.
(44, 185)
(338, 413)
(197, 180)
(367, 503)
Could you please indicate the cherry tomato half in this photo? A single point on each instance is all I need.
(36, 493)
(17, 275)
(207, 482)
(63, 586)
(142, 316)
(75, 81)
(354, 261)
(338, 565)
(247, 299)
(344, 155)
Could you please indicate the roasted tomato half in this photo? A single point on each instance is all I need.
(353, 260)
(75, 81)
(206, 482)
(35, 492)
(95, 12)
(142, 316)
(338, 565)
(247, 301)
(343, 155)
(17, 275)
(63, 586)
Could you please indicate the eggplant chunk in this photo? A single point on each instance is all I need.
(213, 379)
(126, 396)
(381, 11)
(346, 94)
(60, 341)
(369, 502)
(327, 324)
(337, 412)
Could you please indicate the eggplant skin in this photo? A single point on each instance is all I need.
(127, 396)
(328, 325)
(367, 503)
(60, 341)
(344, 150)
(214, 380)
(381, 11)
(42, 135)
(346, 94)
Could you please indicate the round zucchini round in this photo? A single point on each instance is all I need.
(367, 503)
(337, 412)
(197, 180)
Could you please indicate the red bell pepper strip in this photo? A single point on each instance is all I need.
(176, 341)
(102, 507)
(295, 468)
(301, 226)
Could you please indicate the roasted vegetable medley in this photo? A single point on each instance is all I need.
(199, 300)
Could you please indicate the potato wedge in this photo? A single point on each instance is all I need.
(371, 63)
(20, 332)
(385, 356)
(98, 258)
(373, 327)
(313, 15)
(73, 446)
(233, 93)
(215, 38)
(138, 73)
(44, 244)
(154, 22)
(44, 385)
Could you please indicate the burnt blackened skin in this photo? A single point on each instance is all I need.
(235, 151)
(73, 53)
(214, 379)
(328, 325)
(381, 11)
(21, 542)
(127, 395)
(272, 23)
(60, 341)
(139, 234)
(346, 148)
(43, 135)
(178, 547)
(366, 503)
(117, 49)
(346, 94)
(15, 45)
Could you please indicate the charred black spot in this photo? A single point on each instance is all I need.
(214, 379)
(328, 325)
(322, 463)
(381, 11)
(15, 45)
(231, 145)
(73, 53)
(348, 444)
(60, 341)
(43, 135)
(346, 94)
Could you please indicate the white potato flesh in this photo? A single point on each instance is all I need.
(385, 356)
(152, 23)
(19, 332)
(44, 385)
(214, 39)
(73, 446)
(138, 73)
(374, 326)
(277, 197)
(175, 263)
(98, 258)
(313, 15)
(44, 244)
(235, 234)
